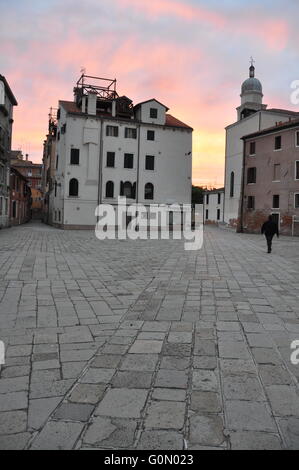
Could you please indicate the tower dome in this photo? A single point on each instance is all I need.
(252, 84)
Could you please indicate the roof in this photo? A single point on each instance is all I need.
(273, 129)
(148, 101)
(14, 170)
(72, 108)
(282, 111)
(8, 91)
(26, 163)
(214, 191)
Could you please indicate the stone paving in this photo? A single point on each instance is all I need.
(142, 345)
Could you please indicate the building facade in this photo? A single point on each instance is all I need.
(33, 173)
(252, 116)
(106, 147)
(49, 168)
(213, 206)
(7, 102)
(20, 198)
(271, 179)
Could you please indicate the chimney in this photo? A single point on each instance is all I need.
(83, 104)
(92, 103)
(27, 157)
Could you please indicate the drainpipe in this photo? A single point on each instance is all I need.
(240, 228)
(138, 158)
(100, 165)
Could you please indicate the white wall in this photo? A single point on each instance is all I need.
(171, 177)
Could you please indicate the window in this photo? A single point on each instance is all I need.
(297, 138)
(14, 209)
(232, 184)
(128, 189)
(63, 129)
(149, 162)
(278, 142)
(73, 187)
(153, 113)
(149, 191)
(110, 159)
(57, 158)
(207, 214)
(112, 131)
(218, 214)
(251, 202)
(276, 175)
(128, 160)
(55, 188)
(251, 175)
(296, 200)
(207, 199)
(297, 170)
(150, 135)
(109, 189)
(75, 156)
(130, 133)
(219, 198)
(252, 148)
(275, 204)
(59, 216)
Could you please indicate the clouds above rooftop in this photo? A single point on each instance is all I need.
(190, 54)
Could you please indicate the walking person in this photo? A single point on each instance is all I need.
(269, 229)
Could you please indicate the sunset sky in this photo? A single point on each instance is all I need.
(191, 55)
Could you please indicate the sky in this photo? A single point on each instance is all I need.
(192, 55)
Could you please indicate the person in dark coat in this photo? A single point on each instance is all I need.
(269, 229)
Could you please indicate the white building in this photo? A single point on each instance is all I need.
(106, 147)
(252, 116)
(213, 206)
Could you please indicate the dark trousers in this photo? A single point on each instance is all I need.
(269, 239)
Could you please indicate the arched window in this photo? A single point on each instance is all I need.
(109, 189)
(232, 184)
(149, 191)
(128, 189)
(73, 187)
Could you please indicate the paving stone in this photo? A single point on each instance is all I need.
(171, 379)
(165, 415)
(17, 384)
(96, 376)
(13, 401)
(132, 379)
(249, 416)
(274, 375)
(40, 410)
(204, 347)
(233, 350)
(15, 441)
(106, 361)
(73, 412)
(87, 393)
(72, 370)
(204, 362)
(205, 380)
(206, 430)
(13, 422)
(146, 347)
(290, 430)
(107, 432)
(122, 403)
(57, 435)
(47, 389)
(139, 362)
(243, 386)
(206, 402)
(160, 440)
(173, 362)
(248, 440)
(284, 400)
(179, 337)
(169, 394)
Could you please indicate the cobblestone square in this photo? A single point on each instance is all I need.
(143, 345)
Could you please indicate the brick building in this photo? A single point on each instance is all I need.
(20, 198)
(7, 102)
(33, 173)
(271, 178)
